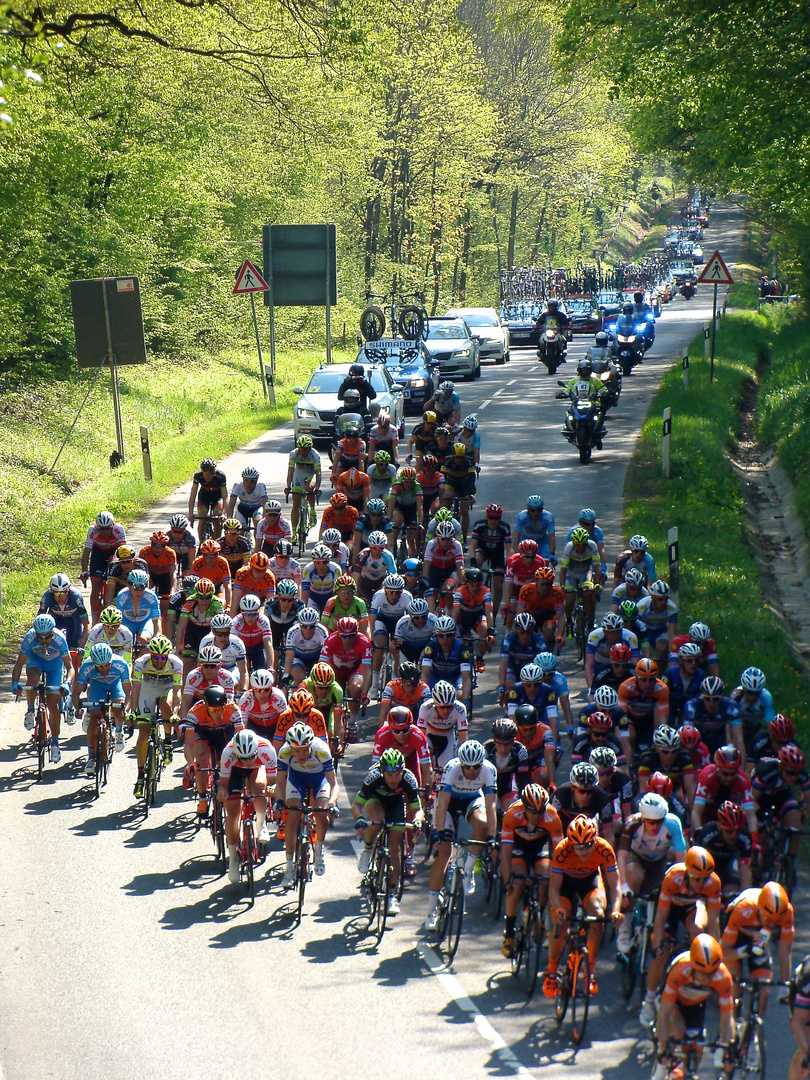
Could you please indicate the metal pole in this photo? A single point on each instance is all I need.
(685, 366)
(258, 345)
(271, 381)
(328, 298)
(79, 412)
(674, 565)
(714, 328)
(706, 340)
(119, 428)
(147, 456)
(667, 436)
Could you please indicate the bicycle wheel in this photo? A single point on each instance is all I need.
(42, 739)
(531, 949)
(399, 839)
(383, 889)
(372, 323)
(580, 994)
(498, 893)
(563, 995)
(219, 831)
(442, 912)
(302, 872)
(455, 918)
(370, 886)
(148, 774)
(630, 970)
(517, 959)
(750, 1058)
(786, 873)
(580, 633)
(249, 857)
(411, 323)
(101, 755)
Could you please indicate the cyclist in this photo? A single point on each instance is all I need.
(582, 795)
(340, 551)
(616, 783)
(599, 732)
(520, 570)
(405, 506)
(182, 541)
(444, 560)
(518, 648)
(491, 544)
(389, 795)
(375, 520)
(799, 1000)
(422, 437)
(472, 613)
(692, 978)
(446, 403)
(45, 654)
(578, 864)
(756, 916)
(467, 789)
(724, 779)
(234, 653)
(636, 556)
(417, 585)
(602, 640)
(161, 563)
(345, 604)
(447, 658)
(537, 524)
(110, 628)
(256, 578)
(122, 565)
(535, 690)
(284, 567)
(384, 437)
(210, 672)
(772, 785)
(300, 710)
(140, 608)
(754, 703)
(303, 479)
(234, 547)
(510, 759)
(327, 696)
(701, 635)
(407, 691)
(538, 740)
(691, 741)
(157, 678)
(184, 593)
(209, 492)
(459, 483)
(381, 476)
(779, 732)
(644, 701)
(349, 654)
(586, 519)
(431, 481)
(684, 679)
(210, 725)
(355, 485)
(470, 436)
(716, 717)
(632, 588)
(690, 894)
(302, 646)
(373, 565)
(66, 604)
(651, 840)
(255, 630)
(442, 514)
(659, 616)
(530, 832)
(306, 772)
(557, 682)
(103, 675)
(261, 706)
(247, 761)
(248, 498)
(400, 732)
(577, 571)
(729, 844)
(388, 606)
(349, 453)
(668, 757)
(545, 602)
(413, 632)
(104, 537)
(209, 564)
(318, 579)
(273, 527)
(444, 720)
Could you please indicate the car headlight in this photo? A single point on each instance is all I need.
(418, 382)
(461, 352)
(306, 414)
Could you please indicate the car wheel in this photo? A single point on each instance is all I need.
(477, 373)
(508, 356)
(502, 359)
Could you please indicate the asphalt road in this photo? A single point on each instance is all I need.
(124, 953)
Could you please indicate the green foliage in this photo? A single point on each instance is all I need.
(720, 579)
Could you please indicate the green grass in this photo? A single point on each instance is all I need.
(748, 268)
(720, 580)
(193, 409)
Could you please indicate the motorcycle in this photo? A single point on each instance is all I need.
(552, 349)
(584, 422)
(687, 290)
(627, 347)
(610, 375)
(645, 328)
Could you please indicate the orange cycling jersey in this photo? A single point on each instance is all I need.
(541, 608)
(164, 563)
(396, 693)
(342, 523)
(353, 482)
(681, 989)
(219, 573)
(744, 918)
(537, 741)
(200, 716)
(644, 706)
(261, 586)
(315, 720)
(570, 863)
(472, 604)
(678, 890)
(516, 824)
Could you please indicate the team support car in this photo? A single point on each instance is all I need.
(314, 412)
(583, 314)
(454, 348)
(409, 364)
(521, 322)
(492, 334)
(609, 302)
(683, 270)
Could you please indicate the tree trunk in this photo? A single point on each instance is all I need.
(465, 256)
(510, 244)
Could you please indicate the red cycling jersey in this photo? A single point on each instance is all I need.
(415, 749)
(346, 659)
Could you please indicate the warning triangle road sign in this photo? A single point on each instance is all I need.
(249, 280)
(715, 272)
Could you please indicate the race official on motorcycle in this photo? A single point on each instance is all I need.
(356, 380)
(642, 313)
(586, 385)
(626, 323)
(553, 316)
(599, 353)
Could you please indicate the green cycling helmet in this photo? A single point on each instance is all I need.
(579, 535)
(628, 610)
(382, 457)
(444, 514)
(392, 760)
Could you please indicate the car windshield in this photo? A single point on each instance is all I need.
(478, 318)
(579, 305)
(409, 358)
(328, 382)
(445, 331)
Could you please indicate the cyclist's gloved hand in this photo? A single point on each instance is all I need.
(15, 688)
(279, 805)
(360, 824)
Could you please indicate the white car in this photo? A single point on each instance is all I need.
(314, 412)
(492, 334)
(454, 349)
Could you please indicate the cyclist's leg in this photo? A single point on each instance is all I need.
(594, 904)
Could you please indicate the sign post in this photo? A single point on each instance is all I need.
(715, 272)
(674, 568)
(685, 366)
(250, 281)
(146, 453)
(667, 434)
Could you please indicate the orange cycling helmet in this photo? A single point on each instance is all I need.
(339, 499)
(705, 954)
(772, 903)
(322, 674)
(535, 797)
(301, 701)
(699, 861)
(545, 573)
(259, 561)
(582, 830)
(159, 538)
(210, 547)
(646, 668)
(408, 473)
(204, 587)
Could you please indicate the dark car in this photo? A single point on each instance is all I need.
(409, 364)
(521, 321)
(584, 314)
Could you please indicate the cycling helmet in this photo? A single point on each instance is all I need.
(606, 697)
(308, 616)
(400, 718)
(445, 530)
(699, 631)
(792, 757)
(322, 674)
(531, 674)
(384, 420)
(586, 514)
(210, 547)
(727, 757)
(659, 588)
(189, 582)
(599, 721)
(666, 738)
(772, 903)
(210, 654)
(446, 385)
(178, 521)
(603, 757)
(160, 645)
(345, 581)
(138, 578)
(272, 506)
(494, 511)
(392, 760)
(582, 829)
(471, 753)
(104, 519)
(473, 576)
(259, 561)
(469, 422)
(215, 697)
(443, 693)
(245, 743)
(347, 625)
(535, 797)
(231, 525)
(407, 473)
(408, 672)
(689, 650)
(660, 784)
(250, 473)
(525, 716)
(730, 815)
(646, 668)
(699, 861)
(442, 432)
(690, 737)
(634, 577)
(445, 625)
(584, 776)
(628, 611)
(111, 616)
(705, 954)
(377, 539)
(781, 728)
(339, 499)
(535, 502)
(221, 621)
(652, 807)
(159, 538)
(544, 573)
(418, 607)
(752, 680)
(429, 417)
(443, 514)
(612, 621)
(525, 621)
(262, 679)
(546, 661)
(430, 463)
(375, 506)
(393, 583)
(60, 583)
(286, 587)
(208, 465)
(579, 535)
(301, 701)
(204, 587)
(638, 543)
(252, 603)
(712, 686)
(101, 654)
(320, 552)
(300, 735)
(504, 729)
(527, 547)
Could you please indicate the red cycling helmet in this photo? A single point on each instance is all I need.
(661, 784)
(690, 737)
(727, 757)
(599, 721)
(782, 729)
(527, 547)
(620, 653)
(494, 511)
(792, 757)
(730, 815)
(400, 718)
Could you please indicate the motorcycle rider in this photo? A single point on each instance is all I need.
(642, 313)
(602, 361)
(553, 318)
(356, 380)
(586, 385)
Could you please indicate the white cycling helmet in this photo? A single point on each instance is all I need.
(210, 654)
(443, 693)
(105, 520)
(471, 753)
(262, 679)
(249, 603)
(308, 616)
(60, 583)
(245, 744)
(606, 697)
(653, 807)
(531, 673)
(221, 621)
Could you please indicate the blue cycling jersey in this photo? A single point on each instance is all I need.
(34, 649)
(149, 609)
(89, 675)
(535, 530)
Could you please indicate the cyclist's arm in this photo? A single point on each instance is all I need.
(192, 499)
(231, 505)
(785, 945)
(135, 696)
(223, 494)
(799, 1026)
(18, 666)
(334, 788)
(180, 637)
(665, 1011)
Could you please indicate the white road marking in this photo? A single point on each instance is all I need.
(510, 383)
(455, 992)
(499, 391)
(484, 404)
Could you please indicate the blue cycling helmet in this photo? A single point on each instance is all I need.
(44, 624)
(546, 661)
(138, 578)
(411, 566)
(535, 502)
(586, 514)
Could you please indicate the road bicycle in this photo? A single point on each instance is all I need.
(303, 526)
(778, 862)
(247, 847)
(494, 887)
(212, 525)
(411, 320)
(153, 766)
(305, 840)
(215, 819)
(429, 805)
(748, 1050)
(574, 975)
(450, 904)
(684, 1057)
(105, 743)
(635, 962)
(529, 934)
(40, 736)
(377, 884)
(580, 623)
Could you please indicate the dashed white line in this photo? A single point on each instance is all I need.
(487, 1032)
(511, 382)
(484, 404)
(501, 391)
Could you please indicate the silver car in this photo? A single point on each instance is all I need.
(492, 334)
(454, 348)
(314, 412)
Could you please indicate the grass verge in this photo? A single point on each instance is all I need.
(193, 409)
(720, 580)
